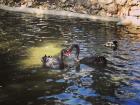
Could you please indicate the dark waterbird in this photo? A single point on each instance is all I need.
(112, 44)
(60, 62)
(94, 61)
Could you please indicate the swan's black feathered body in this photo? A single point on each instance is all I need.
(94, 60)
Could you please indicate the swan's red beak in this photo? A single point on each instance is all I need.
(67, 53)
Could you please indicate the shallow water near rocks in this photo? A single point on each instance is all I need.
(24, 39)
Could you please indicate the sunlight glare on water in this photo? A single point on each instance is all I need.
(36, 53)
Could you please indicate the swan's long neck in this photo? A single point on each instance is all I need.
(76, 46)
(62, 55)
(62, 59)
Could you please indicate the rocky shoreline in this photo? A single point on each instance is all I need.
(127, 10)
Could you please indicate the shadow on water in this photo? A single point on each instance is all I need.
(24, 39)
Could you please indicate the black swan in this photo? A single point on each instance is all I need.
(62, 61)
(94, 61)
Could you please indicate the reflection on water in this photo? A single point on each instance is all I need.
(35, 54)
(24, 39)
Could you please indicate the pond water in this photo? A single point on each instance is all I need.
(25, 38)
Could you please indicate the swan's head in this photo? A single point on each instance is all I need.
(45, 58)
(68, 52)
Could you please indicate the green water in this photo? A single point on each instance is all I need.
(25, 38)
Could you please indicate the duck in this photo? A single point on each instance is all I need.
(62, 61)
(111, 43)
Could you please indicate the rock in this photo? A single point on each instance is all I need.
(134, 12)
(71, 1)
(85, 3)
(29, 3)
(134, 2)
(105, 1)
(124, 11)
(93, 2)
(102, 13)
(112, 8)
(80, 2)
(124, 23)
(63, 1)
(135, 8)
(94, 9)
(129, 20)
(121, 2)
(88, 4)
(136, 22)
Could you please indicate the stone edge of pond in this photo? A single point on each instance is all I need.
(120, 21)
(59, 13)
